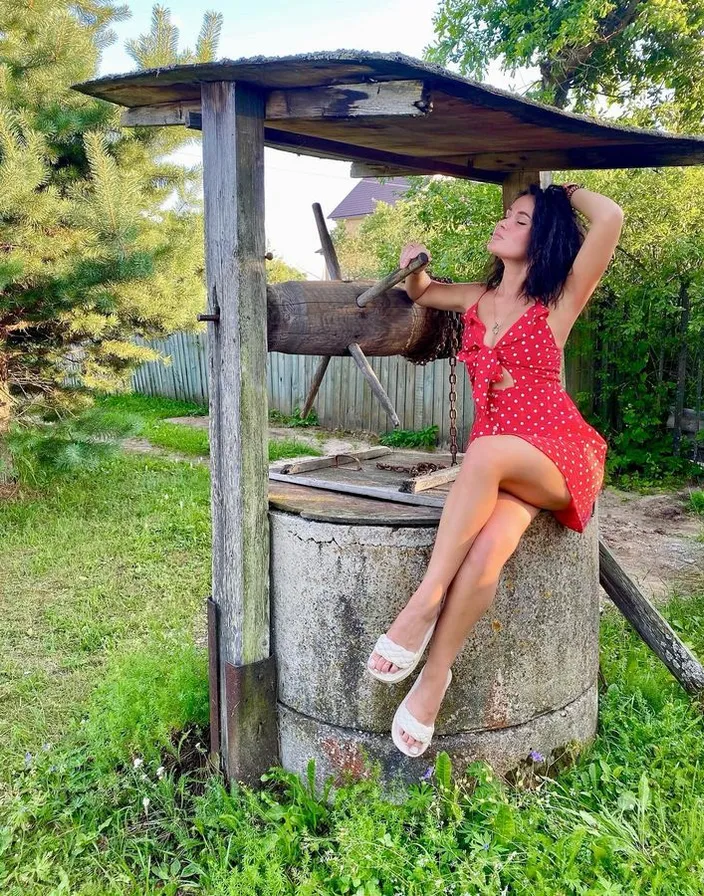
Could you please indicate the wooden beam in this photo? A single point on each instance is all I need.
(233, 187)
(388, 98)
(652, 627)
(585, 158)
(365, 169)
(334, 149)
(160, 115)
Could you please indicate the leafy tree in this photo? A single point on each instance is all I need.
(645, 56)
(277, 271)
(100, 230)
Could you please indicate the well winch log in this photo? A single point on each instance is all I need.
(323, 318)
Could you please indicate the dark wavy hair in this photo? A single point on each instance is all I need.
(555, 239)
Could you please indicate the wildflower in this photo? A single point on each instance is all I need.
(160, 772)
(536, 756)
(138, 762)
(427, 773)
(145, 802)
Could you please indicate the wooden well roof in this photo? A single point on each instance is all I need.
(392, 114)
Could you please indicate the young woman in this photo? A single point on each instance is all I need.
(529, 447)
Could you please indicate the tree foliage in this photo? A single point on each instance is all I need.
(644, 56)
(100, 227)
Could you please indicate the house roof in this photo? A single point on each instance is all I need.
(458, 127)
(364, 195)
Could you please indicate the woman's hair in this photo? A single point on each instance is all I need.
(555, 239)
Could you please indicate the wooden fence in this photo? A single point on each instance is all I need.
(420, 394)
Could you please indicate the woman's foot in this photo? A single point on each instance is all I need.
(424, 703)
(408, 630)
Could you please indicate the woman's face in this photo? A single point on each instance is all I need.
(512, 233)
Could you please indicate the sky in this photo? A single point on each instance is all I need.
(276, 28)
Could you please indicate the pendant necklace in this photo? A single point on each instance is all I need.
(497, 324)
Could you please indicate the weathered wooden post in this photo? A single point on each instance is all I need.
(233, 186)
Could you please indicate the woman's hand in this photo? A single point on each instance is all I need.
(411, 251)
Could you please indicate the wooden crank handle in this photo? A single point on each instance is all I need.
(417, 264)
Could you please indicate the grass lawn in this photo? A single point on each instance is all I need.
(103, 784)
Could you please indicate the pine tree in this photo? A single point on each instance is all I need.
(100, 229)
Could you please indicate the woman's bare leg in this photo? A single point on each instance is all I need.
(471, 593)
(490, 463)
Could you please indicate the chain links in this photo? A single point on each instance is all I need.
(416, 470)
(446, 345)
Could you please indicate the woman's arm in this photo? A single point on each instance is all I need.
(605, 223)
(423, 290)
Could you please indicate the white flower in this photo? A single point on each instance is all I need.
(160, 772)
(145, 803)
(137, 762)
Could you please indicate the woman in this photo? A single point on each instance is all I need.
(529, 448)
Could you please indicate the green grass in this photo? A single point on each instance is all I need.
(182, 438)
(696, 501)
(104, 692)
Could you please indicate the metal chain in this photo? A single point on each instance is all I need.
(415, 470)
(448, 340)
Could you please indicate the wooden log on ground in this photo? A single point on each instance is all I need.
(649, 623)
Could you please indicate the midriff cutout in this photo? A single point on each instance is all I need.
(507, 383)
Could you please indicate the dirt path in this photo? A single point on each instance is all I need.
(658, 543)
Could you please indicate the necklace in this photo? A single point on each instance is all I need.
(497, 324)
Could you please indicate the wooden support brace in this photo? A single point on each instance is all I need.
(372, 379)
(649, 623)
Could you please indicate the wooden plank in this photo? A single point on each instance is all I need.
(368, 491)
(159, 114)
(407, 99)
(432, 480)
(335, 507)
(233, 180)
(404, 98)
(318, 463)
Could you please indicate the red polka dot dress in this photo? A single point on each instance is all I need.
(537, 407)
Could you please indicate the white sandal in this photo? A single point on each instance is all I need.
(405, 659)
(405, 719)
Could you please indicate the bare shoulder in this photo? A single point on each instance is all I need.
(474, 292)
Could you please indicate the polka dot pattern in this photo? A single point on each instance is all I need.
(535, 407)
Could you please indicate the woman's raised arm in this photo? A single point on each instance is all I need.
(423, 290)
(605, 223)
